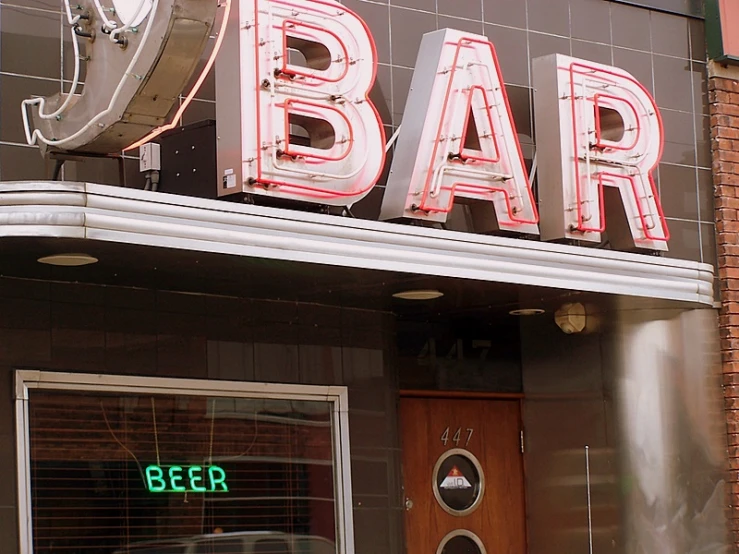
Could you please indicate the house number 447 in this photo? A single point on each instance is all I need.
(456, 437)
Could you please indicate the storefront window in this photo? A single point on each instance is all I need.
(159, 473)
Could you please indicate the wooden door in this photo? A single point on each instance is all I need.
(463, 476)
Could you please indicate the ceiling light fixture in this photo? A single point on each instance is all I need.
(419, 294)
(68, 260)
(527, 311)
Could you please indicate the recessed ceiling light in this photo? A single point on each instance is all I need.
(68, 260)
(527, 311)
(419, 294)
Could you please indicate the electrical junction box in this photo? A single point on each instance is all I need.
(150, 158)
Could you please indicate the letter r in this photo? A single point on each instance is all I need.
(217, 477)
(599, 137)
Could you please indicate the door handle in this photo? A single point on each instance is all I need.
(408, 504)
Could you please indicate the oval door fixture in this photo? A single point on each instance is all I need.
(458, 482)
(461, 541)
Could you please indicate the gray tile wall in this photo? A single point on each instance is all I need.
(665, 52)
(133, 331)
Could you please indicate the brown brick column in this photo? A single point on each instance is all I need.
(723, 85)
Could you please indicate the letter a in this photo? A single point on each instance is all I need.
(458, 142)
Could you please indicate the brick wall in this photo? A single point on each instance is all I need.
(723, 87)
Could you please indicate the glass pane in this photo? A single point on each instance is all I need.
(461, 545)
(221, 546)
(166, 474)
(271, 546)
(313, 545)
(155, 550)
(458, 482)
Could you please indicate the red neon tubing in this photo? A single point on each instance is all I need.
(290, 102)
(642, 215)
(287, 73)
(587, 70)
(467, 123)
(195, 88)
(308, 190)
(474, 188)
(465, 41)
(598, 129)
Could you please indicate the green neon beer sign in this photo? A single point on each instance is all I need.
(184, 479)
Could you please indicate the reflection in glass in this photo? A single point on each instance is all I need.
(458, 482)
(89, 454)
(461, 545)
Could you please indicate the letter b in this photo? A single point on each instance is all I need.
(154, 479)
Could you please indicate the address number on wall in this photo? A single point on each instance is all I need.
(456, 438)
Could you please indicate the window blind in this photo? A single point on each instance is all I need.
(164, 474)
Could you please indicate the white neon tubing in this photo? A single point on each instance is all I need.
(31, 137)
(116, 32)
(275, 160)
(112, 25)
(73, 20)
(392, 140)
(101, 11)
(444, 165)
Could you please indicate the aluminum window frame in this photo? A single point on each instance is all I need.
(26, 380)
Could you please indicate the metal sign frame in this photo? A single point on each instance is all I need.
(722, 21)
(26, 380)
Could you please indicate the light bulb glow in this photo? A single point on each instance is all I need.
(418, 294)
(68, 260)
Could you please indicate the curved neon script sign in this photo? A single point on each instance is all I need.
(184, 479)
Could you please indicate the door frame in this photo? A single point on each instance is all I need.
(467, 395)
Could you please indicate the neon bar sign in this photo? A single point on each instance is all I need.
(185, 479)
(599, 130)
